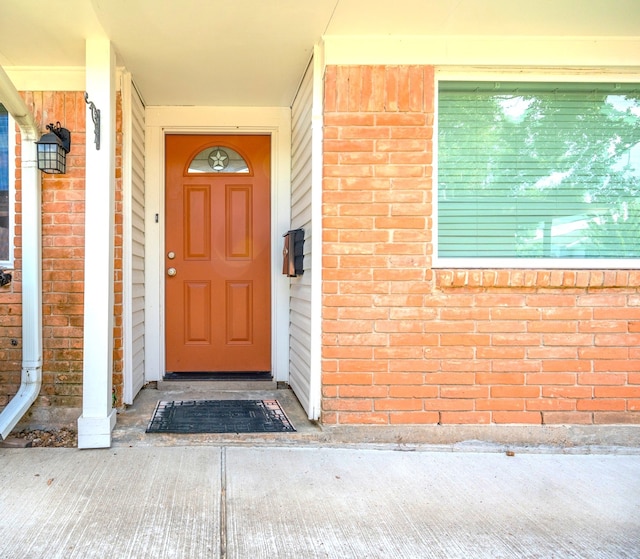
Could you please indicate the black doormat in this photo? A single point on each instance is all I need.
(219, 416)
(231, 375)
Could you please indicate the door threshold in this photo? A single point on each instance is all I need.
(205, 389)
(243, 376)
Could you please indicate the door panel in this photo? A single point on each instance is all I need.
(239, 222)
(239, 312)
(197, 316)
(217, 239)
(197, 222)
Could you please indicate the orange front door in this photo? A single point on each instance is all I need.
(217, 253)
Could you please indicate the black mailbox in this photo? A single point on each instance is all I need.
(293, 253)
(5, 277)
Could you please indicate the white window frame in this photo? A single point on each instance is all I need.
(11, 159)
(572, 75)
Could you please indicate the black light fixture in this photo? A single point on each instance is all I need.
(53, 148)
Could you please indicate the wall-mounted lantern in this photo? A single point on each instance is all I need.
(53, 148)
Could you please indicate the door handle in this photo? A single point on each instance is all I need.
(172, 272)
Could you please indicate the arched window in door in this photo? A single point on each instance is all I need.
(218, 159)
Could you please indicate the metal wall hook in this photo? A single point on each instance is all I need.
(95, 116)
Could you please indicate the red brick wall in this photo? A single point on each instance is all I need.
(63, 199)
(407, 344)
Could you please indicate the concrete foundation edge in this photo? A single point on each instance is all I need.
(467, 436)
(48, 418)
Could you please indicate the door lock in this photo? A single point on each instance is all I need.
(171, 272)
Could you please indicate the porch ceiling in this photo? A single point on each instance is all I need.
(253, 52)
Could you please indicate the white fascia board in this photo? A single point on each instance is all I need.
(47, 78)
(485, 50)
(51, 78)
(231, 118)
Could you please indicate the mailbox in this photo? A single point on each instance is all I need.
(293, 253)
(5, 277)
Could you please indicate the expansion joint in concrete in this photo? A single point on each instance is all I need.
(223, 503)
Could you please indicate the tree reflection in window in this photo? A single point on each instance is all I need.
(542, 170)
(4, 184)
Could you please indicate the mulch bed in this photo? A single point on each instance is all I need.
(61, 438)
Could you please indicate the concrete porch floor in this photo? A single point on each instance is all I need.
(302, 495)
(217, 501)
(568, 439)
(132, 421)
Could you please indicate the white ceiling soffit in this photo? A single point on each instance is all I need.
(254, 52)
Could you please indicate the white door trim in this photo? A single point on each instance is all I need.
(215, 120)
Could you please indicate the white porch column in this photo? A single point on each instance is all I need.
(98, 416)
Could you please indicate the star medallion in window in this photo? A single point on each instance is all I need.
(218, 160)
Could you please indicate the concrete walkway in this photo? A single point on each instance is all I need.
(307, 502)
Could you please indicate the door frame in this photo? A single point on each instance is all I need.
(160, 121)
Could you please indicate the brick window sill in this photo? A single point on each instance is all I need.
(536, 279)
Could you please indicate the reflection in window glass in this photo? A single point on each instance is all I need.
(218, 159)
(4, 184)
(538, 170)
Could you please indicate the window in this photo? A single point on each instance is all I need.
(218, 159)
(531, 172)
(6, 188)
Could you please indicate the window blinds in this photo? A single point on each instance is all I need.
(538, 170)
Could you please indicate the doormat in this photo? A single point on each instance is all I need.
(230, 375)
(219, 416)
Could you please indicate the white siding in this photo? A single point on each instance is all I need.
(134, 231)
(300, 333)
